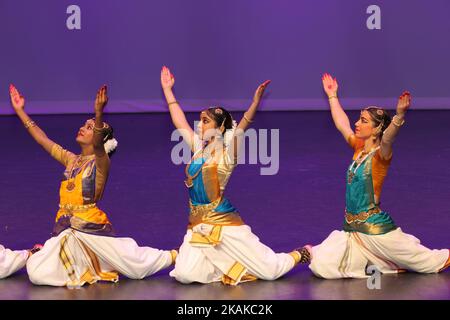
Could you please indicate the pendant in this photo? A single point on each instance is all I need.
(351, 175)
(70, 186)
(188, 182)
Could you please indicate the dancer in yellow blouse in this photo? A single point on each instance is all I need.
(83, 248)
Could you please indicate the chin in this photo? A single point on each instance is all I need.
(360, 136)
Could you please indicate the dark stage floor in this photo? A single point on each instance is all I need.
(146, 199)
(298, 285)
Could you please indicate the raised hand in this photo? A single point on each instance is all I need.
(101, 99)
(404, 102)
(167, 78)
(17, 100)
(330, 85)
(260, 91)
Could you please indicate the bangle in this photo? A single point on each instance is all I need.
(173, 102)
(247, 119)
(105, 126)
(397, 122)
(331, 97)
(29, 124)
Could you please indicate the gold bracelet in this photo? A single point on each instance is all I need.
(173, 102)
(29, 124)
(395, 121)
(331, 97)
(247, 119)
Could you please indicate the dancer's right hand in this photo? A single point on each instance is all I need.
(167, 78)
(17, 101)
(330, 85)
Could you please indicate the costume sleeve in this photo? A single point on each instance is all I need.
(62, 155)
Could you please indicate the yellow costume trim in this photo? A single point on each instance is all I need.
(296, 255)
(234, 275)
(447, 264)
(211, 181)
(204, 208)
(112, 276)
(67, 260)
(89, 276)
(214, 237)
(248, 277)
(206, 214)
(174, 254)
(76, 208)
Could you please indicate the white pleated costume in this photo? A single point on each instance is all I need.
(83, 249)
(370, 236)
(11, 261)
(218, 246)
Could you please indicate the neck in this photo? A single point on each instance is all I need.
(369, 144)
(87, 150)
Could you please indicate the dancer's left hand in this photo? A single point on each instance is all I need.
(101, 100)
(260, 91)
(404, 102)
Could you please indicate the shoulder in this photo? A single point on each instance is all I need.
(379, 158)
(354, 142)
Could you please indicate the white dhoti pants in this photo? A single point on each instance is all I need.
(231, 254)
(347, 254)
(11, 261)
(74, 258)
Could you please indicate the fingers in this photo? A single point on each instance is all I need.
(326, 78)
(104, 96)
(266, 83)
(166, 75)
(14, 93)
(405, 97)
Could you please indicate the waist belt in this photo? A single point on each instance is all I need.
(362, 216)
(205, 213)
(77, 208)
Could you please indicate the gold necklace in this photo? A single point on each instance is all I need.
(189, 182)
(79, 162)
(363, 155)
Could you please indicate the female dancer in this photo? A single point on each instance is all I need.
(218, 246)
(370, 236)
(83, 249)
(12, 261)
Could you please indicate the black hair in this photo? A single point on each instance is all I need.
(109, 134)
(380, 117)
(220, 116)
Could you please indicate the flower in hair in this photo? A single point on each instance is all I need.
(110, 145)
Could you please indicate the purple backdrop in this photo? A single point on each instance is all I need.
(220, 50)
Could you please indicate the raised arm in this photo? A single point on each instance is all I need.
(18, 103)
(340, 118)
(100, 130)
(246, 120)
(392, 130)
(176, 113)
(251, 111)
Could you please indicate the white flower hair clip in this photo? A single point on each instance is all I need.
(110, 145)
